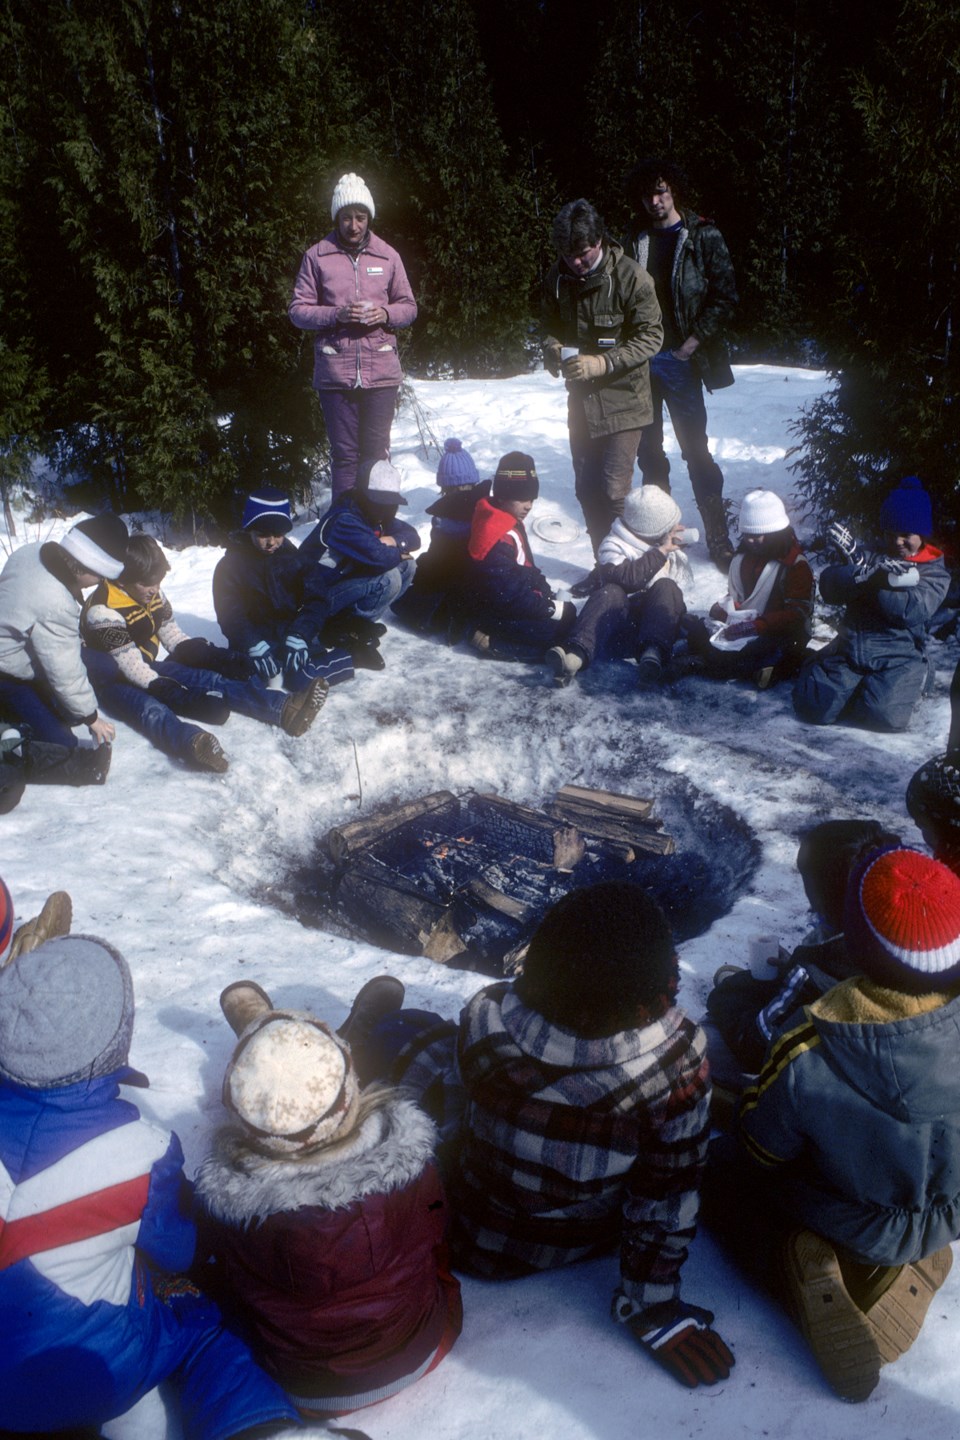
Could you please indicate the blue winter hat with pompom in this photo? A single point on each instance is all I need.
(907, 510)
(456, 466)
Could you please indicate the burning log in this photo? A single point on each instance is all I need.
(345, 841)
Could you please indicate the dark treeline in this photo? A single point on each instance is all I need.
(164, 165)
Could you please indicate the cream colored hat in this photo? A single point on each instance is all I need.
(291, 1082)
(351, 190)
(762, 513)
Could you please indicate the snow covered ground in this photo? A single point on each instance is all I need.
(176, 869)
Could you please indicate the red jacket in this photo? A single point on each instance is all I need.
(336, 1263)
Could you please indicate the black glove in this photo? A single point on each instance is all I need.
(208, 707)
(678, 1336)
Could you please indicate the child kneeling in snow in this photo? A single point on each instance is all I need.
(509, 608)
(765, 615)
(849, 1156)
(574, 1105)
(325, 1213)
(639, 605)
(95, 1220)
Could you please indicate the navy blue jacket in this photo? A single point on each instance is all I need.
(263, 597)
(502, 580)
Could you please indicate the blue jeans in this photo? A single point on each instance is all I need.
(676, 384)
(153, 719)
(31, 702)
(370, 595)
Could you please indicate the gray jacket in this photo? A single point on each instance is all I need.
(40, 629)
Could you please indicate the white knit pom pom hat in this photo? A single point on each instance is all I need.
(351, 190)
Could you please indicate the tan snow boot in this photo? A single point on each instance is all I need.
(243, 1002)
(897, 1316)
(53, 921)
(843, 1342)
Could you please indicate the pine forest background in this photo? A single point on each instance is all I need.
(164, 164)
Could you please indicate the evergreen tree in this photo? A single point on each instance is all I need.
(157, 223)
(895, 408)
(458, 215)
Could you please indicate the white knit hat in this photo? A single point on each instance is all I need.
(99, 544)
(291, 1082)
(351, 190)
(650, 512)
(762, 513)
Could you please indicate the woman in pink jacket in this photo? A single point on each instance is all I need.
(353, 291)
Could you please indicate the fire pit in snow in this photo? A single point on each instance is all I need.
(464, 880)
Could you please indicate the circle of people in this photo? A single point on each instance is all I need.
(306, 1274)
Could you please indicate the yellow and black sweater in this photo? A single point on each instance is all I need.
(130, 632)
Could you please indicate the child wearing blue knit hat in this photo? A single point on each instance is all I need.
(874, 672)
(431, 603)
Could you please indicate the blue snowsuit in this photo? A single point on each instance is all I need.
(873, 673)
(93, 1226)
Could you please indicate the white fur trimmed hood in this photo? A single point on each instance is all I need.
(388, 1151)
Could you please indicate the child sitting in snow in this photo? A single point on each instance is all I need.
(95, 1231)
(638, 608)
(873, 673)
(431, 605)
(848, 1162)
(324, 1209)
(767, 610)
(574, 1103)
(745, 1011)
(125, 622)
(512, 612)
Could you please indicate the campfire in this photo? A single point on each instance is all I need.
(464, 880)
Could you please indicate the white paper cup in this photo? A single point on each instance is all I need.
(568, 352)
(764, 954)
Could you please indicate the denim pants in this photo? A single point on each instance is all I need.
(148, 715)
(676, 384)
(358, 427)
(31, 702)
(370, 595)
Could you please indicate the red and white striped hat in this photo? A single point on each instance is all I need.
(903, 921)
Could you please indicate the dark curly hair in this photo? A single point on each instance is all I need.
(601, 961)
(646, 175)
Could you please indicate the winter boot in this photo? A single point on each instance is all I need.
(897, 1315)
(206, 707)
(480, 641)
(367, 657)
(243, 1002)
(843, 1341)
(714, 515)
(49, 764)
(381, 996)
(54, 920)
(206, 753)
(563, 664)
(301, 709)
(650, 667)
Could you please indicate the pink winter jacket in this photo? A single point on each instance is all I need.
(350, 356)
